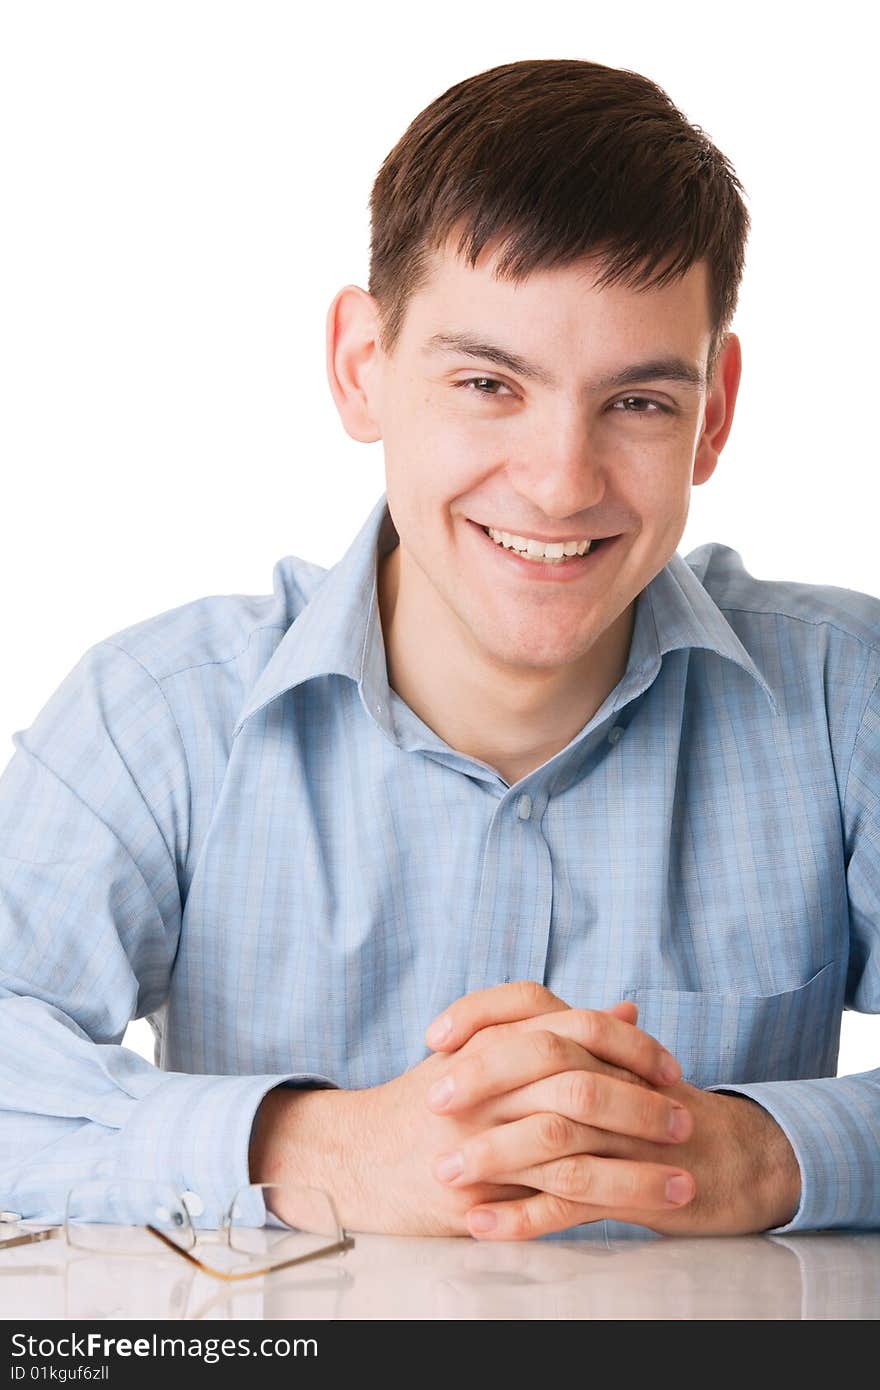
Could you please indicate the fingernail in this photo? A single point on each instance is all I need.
(678, 1189)
(483, 1221)
(439, 1030)
(449, 1167)
(679, 1124)
(670, 1071)
(441, 1092)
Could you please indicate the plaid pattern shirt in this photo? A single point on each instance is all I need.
(226, 821)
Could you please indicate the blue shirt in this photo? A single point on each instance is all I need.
(225, 820)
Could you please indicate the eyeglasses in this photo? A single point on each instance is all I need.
(267, 1226)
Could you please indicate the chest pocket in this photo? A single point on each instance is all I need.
(720, 1038)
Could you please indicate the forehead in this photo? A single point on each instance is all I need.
(565, 296)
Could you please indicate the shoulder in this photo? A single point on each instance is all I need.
(819, 614)
(220, 628)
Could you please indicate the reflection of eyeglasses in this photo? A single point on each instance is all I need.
(267, 1226)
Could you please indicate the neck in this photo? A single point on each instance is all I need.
(511, 719)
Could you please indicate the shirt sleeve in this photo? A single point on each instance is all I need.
(94, 827)
(833, 1123)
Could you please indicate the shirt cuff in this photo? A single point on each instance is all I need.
(194, 1132)
(833, 1125)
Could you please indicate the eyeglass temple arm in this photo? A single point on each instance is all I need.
(30, 1238)
(347, 1243)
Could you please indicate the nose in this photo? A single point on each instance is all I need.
(559, 472)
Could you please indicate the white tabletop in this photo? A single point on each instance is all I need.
(810, 1275)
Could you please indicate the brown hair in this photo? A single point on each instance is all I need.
(562, 159)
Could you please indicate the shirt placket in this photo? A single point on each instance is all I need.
(510, 930)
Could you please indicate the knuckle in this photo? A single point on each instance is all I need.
(651, 1114)
(553, 1131)
(569, 1178)
(596, 1025)
(559, 1212)
(524, 1223)
(584, 1027)
(581, 1093)
(549, 1046)
(530, 993)
(636, 1187)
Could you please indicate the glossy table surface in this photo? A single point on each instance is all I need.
(809, 1275)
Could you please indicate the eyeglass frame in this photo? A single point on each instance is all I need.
(346, 1241)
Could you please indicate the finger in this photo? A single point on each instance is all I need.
(497, 1034)
(551, 1131)
(473, 1077)
(571, 1087)
(506, 1003)
(609, 1182)
(609, 1039)
(628, 1010)
(528, 1217)
(563, 1095)
(535, 1139)
(575, 1190)
(442, 1033)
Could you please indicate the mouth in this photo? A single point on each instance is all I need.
(564, 569)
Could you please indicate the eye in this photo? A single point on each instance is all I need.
(479, 382)
(626, 401)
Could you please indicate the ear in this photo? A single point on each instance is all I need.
(352, 362)
(720, 405)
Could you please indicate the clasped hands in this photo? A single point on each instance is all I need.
(589, 1115)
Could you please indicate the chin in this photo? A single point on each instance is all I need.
(523, 655)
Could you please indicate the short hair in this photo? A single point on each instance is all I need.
(561, 159)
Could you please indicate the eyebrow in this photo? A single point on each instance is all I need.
(668, 368)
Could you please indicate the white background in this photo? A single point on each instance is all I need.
(185, 187)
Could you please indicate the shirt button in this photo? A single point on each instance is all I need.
(616, 734)
(193, 1203)
(524, 807)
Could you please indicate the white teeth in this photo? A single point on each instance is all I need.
(554, 550)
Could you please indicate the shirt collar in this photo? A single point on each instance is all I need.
(675, 611)
(339, 631)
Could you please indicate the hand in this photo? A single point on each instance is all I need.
(736, 1158)
(564, 1083)
(373, 1149)
(744, 1172)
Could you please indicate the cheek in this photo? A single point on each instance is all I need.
(659, 479)
(441, 465)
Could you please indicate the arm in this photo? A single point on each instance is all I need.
(94, 825)
(833, 1123)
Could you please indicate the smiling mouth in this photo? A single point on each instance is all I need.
(556, 570)
(540, 559)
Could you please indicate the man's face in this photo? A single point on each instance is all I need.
(470, 443)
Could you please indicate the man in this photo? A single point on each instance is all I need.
(608, 817)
